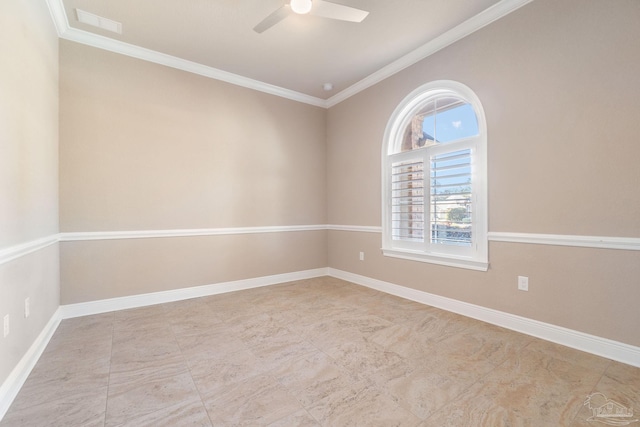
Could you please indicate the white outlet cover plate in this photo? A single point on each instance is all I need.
(523, 283)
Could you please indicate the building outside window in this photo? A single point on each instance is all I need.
(434, 178)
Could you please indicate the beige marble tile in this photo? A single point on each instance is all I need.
(567, 354)
(194, 325)
(140, 346)
(302, 295)
(40, 390)
(82, 409)
(71, 361)
(256, 329)
(213, 372)
(325, 335)
(89, 336)
(622, 377)
(438, 325)
(296, 320)
(363, 358)
(137, 371)
(364, 323)
(483, 342)
(458, 368)
(85, 326)
(539, 402)
(365, 407)
(189, 413)
(136, 319)
(621, 384)
(139, 392)
(259, 400)
(280, 351)
(398, 310)
(308, 353)
(328, 309)
(190, 317)
(403, 340)
(421, 390)
(219, 338)
(533, 363)
(530, 387)
(313, 377)
(68, 385)
(300, 418)
(185, 308)
(228, 307)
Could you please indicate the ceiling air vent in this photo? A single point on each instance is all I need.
(99, 21)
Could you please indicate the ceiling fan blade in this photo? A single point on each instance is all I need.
(273, 19)
(340, 12)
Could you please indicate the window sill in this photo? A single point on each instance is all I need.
(449, 261)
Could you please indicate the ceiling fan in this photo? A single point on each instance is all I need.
(321, 8)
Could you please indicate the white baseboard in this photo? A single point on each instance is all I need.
(600, 346)
(14, 382)
(604, 347)
(121, 303)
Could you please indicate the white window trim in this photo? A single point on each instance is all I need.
(411, 105)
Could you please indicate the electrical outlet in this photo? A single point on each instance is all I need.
(27, 307)
(6, 325)
(361, 256)
(523, 283)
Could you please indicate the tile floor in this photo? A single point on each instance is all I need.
(321, 352)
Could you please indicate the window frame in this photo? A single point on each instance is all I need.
(476, 256)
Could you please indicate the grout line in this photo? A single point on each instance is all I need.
(106, 401)
(353, 305)
(593, 390)
(186, 363)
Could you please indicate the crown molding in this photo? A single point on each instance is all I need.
(469, 26)
(486, 17)
(65, 31)
(58, 15)
(116, 46)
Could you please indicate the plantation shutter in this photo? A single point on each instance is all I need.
(408, 200)
(451, 207)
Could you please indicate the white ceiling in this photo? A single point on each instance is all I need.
(292, 59)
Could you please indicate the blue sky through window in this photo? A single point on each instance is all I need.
(450, 179)
(452, 124)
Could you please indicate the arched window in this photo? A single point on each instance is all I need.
(434, 188)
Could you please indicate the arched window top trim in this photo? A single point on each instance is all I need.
(417, 183)
(414, 102)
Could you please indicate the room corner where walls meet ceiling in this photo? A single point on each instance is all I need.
(256, 78)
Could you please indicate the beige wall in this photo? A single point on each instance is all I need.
(146, 147)
(97, 270)
(559, 86)
(28, 172)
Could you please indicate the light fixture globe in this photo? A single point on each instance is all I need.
(301, 6)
